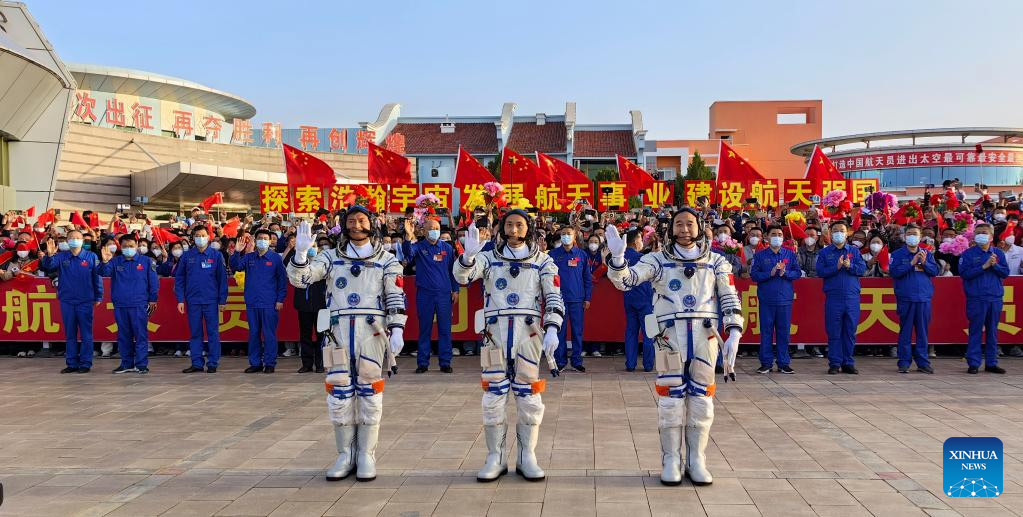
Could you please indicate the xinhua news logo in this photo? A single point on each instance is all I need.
(972, 467)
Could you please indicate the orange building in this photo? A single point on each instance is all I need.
(761, 131)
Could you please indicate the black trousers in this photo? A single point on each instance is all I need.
(310, 349)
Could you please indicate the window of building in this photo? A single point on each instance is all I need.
(791, 118)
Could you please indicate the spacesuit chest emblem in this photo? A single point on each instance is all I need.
(689, 301)
(675, 284)
(354, 299)
(501, 283)
(512, 299)
(341, 282)
(689, 272)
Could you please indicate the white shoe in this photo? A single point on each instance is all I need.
(288, 352)
(597, 354)
(30, 353)
(495, 465)
(178, 353)
(455, 351)
(21, 354)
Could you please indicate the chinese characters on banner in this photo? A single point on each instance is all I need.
(307, 199)
(927, 159)
(773, 192)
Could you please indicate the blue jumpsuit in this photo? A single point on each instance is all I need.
(266, 284)
(200, 282)
(638, 304)
(133, 285)
(576, 289)
(434, 286)
(913, 292)
(842, 301)
(984, 293)
(79, 288)
(774, 294)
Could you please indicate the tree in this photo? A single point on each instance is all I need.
(494, 166)
(696, 170)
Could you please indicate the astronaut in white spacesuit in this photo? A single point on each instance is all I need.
(366, 305)
(693, 288)
(521, 296)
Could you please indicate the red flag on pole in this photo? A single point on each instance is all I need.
(216, 199)
(732, 167)
(469, 171)
(31, 212)
(47, 217)
(388, 167)
(634, 176)
(231, 226)
(78, 220)
(94, 220)
(516, 168)
(818, 169)
(306, 169)
(563, 173)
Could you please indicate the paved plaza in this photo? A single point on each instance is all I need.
(235, 444)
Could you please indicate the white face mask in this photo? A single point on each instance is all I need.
(143, 250)
(858, 244)
(776, 241)
(809, 241)
(215, 245)
(753, 241)
(112, 248)
(593, 246)
(722, 237)
(157, 252)
(387, 246)
(184, 247)
(875, 248)
(177, 252)
(23, 253)
(1000, 217)
(947, 240)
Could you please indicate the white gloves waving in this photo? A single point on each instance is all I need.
(397, 340)
(615, 244)
(472, 242)
(550, 341)
(303, 241)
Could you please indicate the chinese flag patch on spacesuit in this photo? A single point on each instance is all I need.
(399, 281)
(557, 280)
(731, 279)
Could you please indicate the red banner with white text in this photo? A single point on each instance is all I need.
(31, 312)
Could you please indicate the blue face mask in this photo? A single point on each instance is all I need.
(566, 240)
(262, 244)
(982, 238)
(74, 243)
(63, 246)
(128, 252)
(912, 240)
(201, 241)
(776, 241)
(838, 237)
(433, 235)
(311, 252)
(86, 246)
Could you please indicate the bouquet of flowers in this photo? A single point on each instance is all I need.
(493, 195)
(796, 223)
(426, 205)
(956, 247)
(730, 246)
(882, 202)
(909, 213)
(837, 204)
(944, 202)
(360, 196)
(963, 221)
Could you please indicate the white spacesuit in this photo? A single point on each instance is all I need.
(517, 283)
(366, 302)
(693, 288)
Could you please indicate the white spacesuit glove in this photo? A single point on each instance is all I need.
(472, 243)
(303, 241)
(550, 341)
(615, 244)
(397, 340)
(731, 348)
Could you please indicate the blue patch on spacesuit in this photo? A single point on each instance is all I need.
(501, 283)
(354, 299)
(675, 284)
(688, 300)
(341, 282)
(512, 299)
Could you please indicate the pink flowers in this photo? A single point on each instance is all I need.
(493, 188)
(833, 198)
(731, 246)
(956, 247)
(882, 202)
(426, 205)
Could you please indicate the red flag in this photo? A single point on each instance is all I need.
(516, 168)
(164, 236)
(634, 175)
(31, 212)
(78, 220)
(469, 171)
(6, 257)
(216, 199)
(562, 172)
(231, 226)
(94, 220)
(47, 217)
(306, 169)
(818, 169)
(732, 167)
(388, 167)
(857, 220)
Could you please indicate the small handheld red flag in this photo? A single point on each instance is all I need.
(216, 199)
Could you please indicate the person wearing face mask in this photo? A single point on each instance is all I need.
(80, 290)
(774, 269)
(576, 291)
(516, 276)
(266, 286)
(859, 240)
(436, 291)
(841, 268)
(911, 269)
(950, 261)
(722, 233)
(754, 243)
(694, 290)
(366, 304)
(983, 268)
(24, 262)
(134, 289)
(876, 257)
(168, 267)
(200, 286)
(309, 301)
(638, 304)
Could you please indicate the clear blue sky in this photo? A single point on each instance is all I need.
(878, 65)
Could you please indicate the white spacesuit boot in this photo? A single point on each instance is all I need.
(699, 419)
(370, 409)
(344, 435)
(496, 465)
(671, 420)
(527, 432)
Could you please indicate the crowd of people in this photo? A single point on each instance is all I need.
(201, 249)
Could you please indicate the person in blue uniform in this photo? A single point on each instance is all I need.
(982, 268)
(774, 269)
(80, 290)
(134, 288)
(841, 267)
(576, 288)
(436, 291)
(200, 285)
(266, 285)
(638, 304)
(912, 268)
